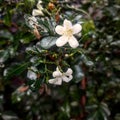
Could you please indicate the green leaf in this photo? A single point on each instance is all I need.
(78, 73)
(86, 61)
(101, 112)
(35, 86)
(9, 115)
(4, 34)
(66, 109)
(4, 55)
(87, 28)
(7, 18)
(26, 38)
(105, 108)
(47, 42)
(117, 116)
(116, 63)
(116, 43)
(15, 70)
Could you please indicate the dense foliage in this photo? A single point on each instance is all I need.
(29, 56)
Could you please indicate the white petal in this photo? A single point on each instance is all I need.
(57, 74)
(39, 1)
(61, 41)
(66, 79)
(59, 30)
(76, 28)
(39, 6)
(69, 72)
(67, 24)
(36, 12)
(70, 77)
(57, 69)
(73, 42)
(56, 81)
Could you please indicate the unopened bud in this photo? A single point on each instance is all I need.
(51, 6)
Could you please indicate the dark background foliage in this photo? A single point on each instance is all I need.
(94, 97)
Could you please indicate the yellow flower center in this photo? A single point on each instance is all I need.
(68, 32)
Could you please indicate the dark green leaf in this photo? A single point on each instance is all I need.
(78, 73)
(16, 70)
(47, 42)
(4, 34)
(4, 55)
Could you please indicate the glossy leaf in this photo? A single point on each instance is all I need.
(78, 73)
(47, 42)
(15, 70)
(4, 55)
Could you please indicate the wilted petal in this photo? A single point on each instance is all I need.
(59, 30)
(69, 72)
(61, 41)
(56, 81)
(67, 24)
(40, 1)
(36, 12)
(66, 79)
(39, 6)
(73, 42)
(76, 28)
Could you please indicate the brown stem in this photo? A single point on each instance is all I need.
(83, 99)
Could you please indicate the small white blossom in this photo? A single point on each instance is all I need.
(59, 76)
(67, 31)
(39, 9)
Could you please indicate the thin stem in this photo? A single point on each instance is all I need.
(45, 62)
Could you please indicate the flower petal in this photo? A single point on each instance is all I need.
(36, 12)
(39, 6)
(70, 77)
(69, 72)
(66, 79)
(59, 30)
(73, 42)
(57, 69)
(56, 81)
(57, 74)
(61, 41)
(67, 24)
(40, 1)
(76, 28)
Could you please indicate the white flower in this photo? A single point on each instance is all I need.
(67, 31)
(39, 9)
(59, 77)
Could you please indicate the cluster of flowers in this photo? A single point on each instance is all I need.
(67, 32)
